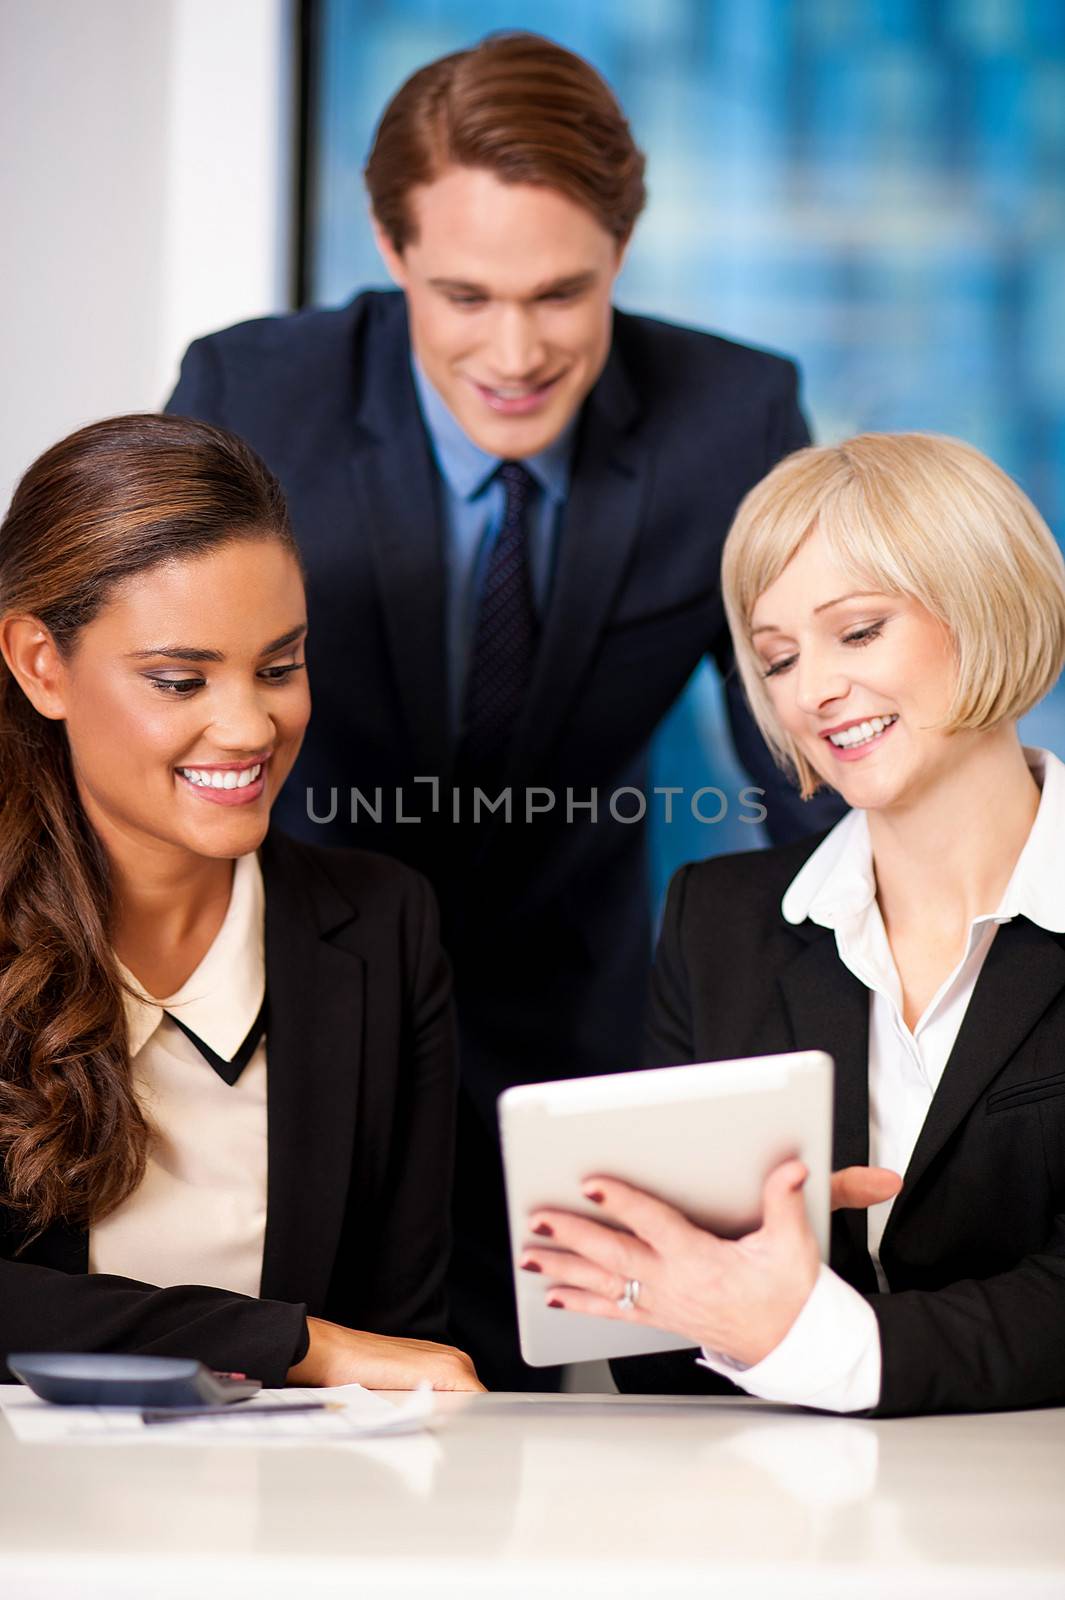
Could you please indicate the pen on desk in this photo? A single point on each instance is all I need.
(240, 1410)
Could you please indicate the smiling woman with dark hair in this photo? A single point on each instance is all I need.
(226, 1060)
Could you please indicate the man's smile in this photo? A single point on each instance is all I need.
(516, 399)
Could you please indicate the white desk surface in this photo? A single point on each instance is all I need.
(515, 1496)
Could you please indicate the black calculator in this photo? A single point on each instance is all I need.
(156, 1382)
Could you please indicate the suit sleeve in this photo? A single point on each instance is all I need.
(200, 390)
(991, 1344)
(42, 1309)
(413, 1241)
(788, 429)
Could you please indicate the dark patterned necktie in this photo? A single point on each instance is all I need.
(504, 640)
(228, 1071)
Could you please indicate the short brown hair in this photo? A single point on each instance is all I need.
(520, 106)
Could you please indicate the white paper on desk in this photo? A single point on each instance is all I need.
(365, 1415)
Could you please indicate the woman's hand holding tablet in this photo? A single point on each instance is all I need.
(735, 1296)
(709, 1222)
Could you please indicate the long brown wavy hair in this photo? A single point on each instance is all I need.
(112, 500)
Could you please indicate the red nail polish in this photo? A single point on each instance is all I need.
(544, 1230)
(595, 1195)
(556, 1305)
(531, 1266)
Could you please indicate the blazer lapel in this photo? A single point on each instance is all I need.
(1023, 973)
(600, 524)
(397, 500)
(829, 1010)
(315, 997)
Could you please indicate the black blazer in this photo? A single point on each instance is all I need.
(360, 1108)
(548, 924)
(974, 1250)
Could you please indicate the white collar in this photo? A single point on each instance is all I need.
(837, 883)
(222, 998)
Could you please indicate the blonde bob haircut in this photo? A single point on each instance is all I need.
(923, 516)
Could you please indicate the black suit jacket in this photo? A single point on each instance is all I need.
(547, 924)
(360, 1109)
(974, 1250)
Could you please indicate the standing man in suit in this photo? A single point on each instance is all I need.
(511, 502)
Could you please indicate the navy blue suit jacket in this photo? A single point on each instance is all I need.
(548, 923)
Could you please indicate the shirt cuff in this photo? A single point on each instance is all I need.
(829, 1358)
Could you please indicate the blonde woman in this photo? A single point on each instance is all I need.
(897, 604)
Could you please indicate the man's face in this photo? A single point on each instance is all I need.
(508, 292)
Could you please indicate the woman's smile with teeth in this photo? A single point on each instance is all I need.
(861, 732)
(231, 778)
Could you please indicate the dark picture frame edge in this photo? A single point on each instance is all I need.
(307, 25)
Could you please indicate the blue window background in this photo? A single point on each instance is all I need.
(874, 188)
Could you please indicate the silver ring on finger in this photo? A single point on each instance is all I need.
(628, 1300)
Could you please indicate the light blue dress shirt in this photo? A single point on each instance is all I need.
(473, 501)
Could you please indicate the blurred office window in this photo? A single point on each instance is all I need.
(875, 188)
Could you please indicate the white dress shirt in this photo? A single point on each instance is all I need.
(199, 1215)
(830, 1357)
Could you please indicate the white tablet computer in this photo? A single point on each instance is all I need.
(702, 1137)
